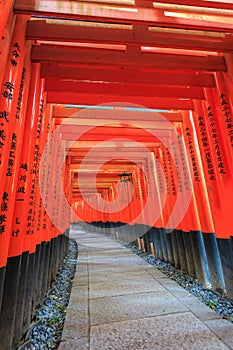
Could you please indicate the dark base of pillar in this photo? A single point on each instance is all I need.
(231, 239)
(226, 256)
(189, 253)
(28, 294)
(9, 302)
(159, 244)
(200, 259)
(2, 278)
(154, 240)
(214, 263)
(181, 250)
(146, 242)
(175, 250)
(20, 301)
(38, 291)
(169, 248)
(51, 257)
(163, 242)
(36, 278)
(46, 282)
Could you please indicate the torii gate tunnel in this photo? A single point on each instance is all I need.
(114, 115)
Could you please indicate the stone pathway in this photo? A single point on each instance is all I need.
(119, 301)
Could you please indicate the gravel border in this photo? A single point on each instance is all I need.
(46, 330)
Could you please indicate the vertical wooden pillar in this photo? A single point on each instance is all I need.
(5, 12)
(9, 100)
(161, 192)
(203, 206)
(13, 103)
(193, 234)
(19, 227)
(216, 169)
(5, 41)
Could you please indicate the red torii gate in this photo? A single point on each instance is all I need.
(174, 55)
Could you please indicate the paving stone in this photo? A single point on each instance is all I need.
(133, 306)
(74, 344)
(130, 286)
(123, 275)
(170, 332)
(192, 303)
(223, 330)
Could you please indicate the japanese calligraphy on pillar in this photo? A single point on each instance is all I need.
(14, 138)
(4, 209)
(11, 156)
(192, 153)
(159, 176)
(165, 170)
(43, 214)
(8, 93)
(147, 181)
(143, 184)
(34, 172)
(135, 185)
(15, 54)
(215, 136)
(22, 181)
(206, 147)
(171, 174)
(152, 177)
(181, 164)
(20, 96)
(12, 163)
(227, 114)
(39, 218)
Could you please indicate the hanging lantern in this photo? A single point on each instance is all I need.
(125, 177)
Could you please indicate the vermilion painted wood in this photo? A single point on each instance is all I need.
(223, 93)
(40, 30)
(76, 152)
(124, 89)
(119, 164)
(117, 161)
(132, 75)
(41, 217)
(2, 3)
(10, 89)
(110, 58)
(112, 166)
(159, 188)
(202, 3)
(45, 180)
(215, 191)
(145, 102)
(199, 183)
(114, 116)
(114, 132)
(4, 14)
(72, 137)
(225, 178)
(170, 199)
(30, 139)
(5, 41)
(127, 129)
(113, 14)
(17, 236)
(11, 133)
(91, 144)
(84, 125)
